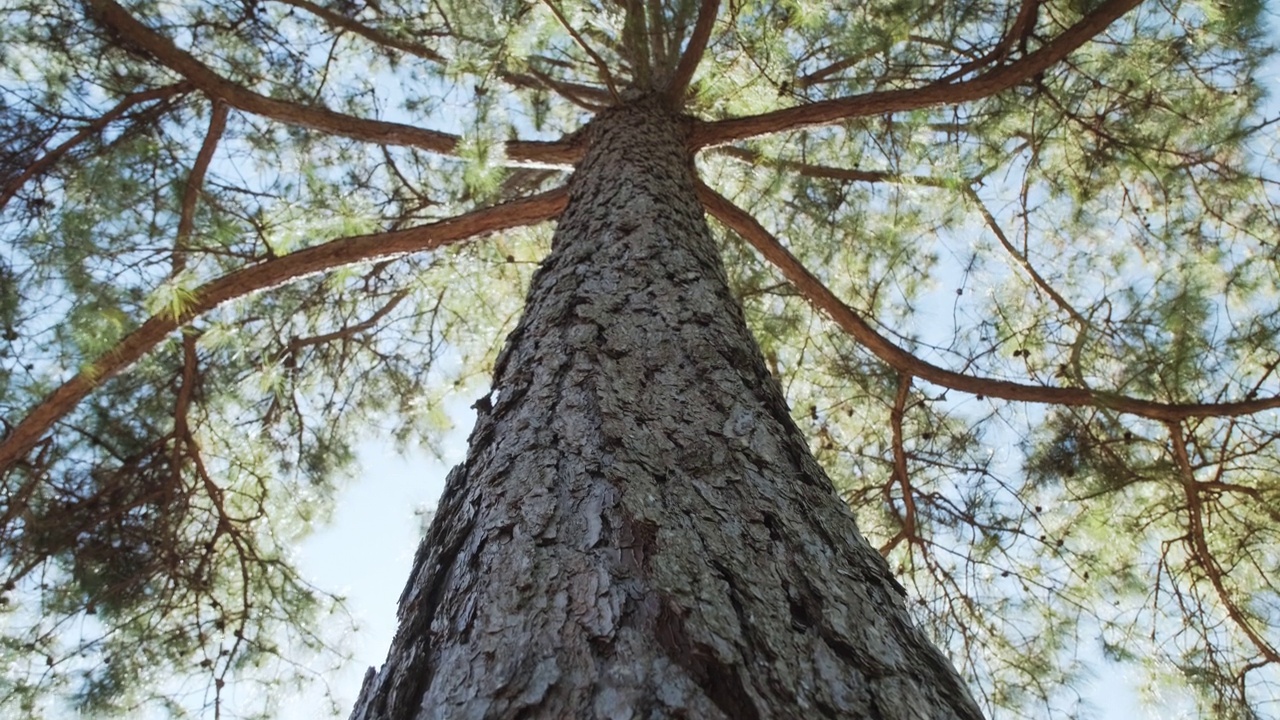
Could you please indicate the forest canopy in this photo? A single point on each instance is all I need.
(1016, 265)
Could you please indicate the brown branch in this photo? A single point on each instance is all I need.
(181, 428)
(872, 176)
(119, 21)
(904, 362)
(583, 95)
(599, 62)
(896, 416)
(1200, 547)
(347, 331)
(1030, 269)
(90, 129)
(316, 259)
(658, 31)
(636, 48)
(822, 73)
(373, 35)
(823, 171)
(693, 51)
(195, 182)
(1022, 26)
(889, 101)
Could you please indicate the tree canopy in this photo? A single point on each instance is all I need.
(1016, 264)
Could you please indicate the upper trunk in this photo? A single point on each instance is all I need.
(639, 529)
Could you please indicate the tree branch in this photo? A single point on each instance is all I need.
(92, 128)
(346, 331)
(693, 51)
(1025, 262)
(904, 362)
(583, 95)
(181, 407)
(900, 474)
(1200, 547)
(316, 259)
(889, 101)
(373, 35)
(600, 64)
(195, 182)
(1022, 26)
(133, 32)
(826, 172)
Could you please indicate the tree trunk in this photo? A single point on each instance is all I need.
(639, 529)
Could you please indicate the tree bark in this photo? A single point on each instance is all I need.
(639, 529)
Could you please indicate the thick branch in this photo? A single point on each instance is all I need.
(92, 128)
(889, 101)
(133, 32)
(693, 51)
(904, 362)
(336, 253)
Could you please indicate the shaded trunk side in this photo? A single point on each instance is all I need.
(639, 529)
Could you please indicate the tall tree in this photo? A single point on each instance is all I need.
(1014, 266)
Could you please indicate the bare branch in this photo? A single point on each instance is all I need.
(824, 171)
(118, 20)
(1022, 260)
(378, 37)
(1200, 547)
(347, 331)
(904, 362)
(584, 96)
(600, 64)
(693, 51)
(878, 103)
(309, 261)
(182, 405)
(195, 182)
(900, 474)
(92, 128)
(1023, 24)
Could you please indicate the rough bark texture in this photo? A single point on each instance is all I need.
(639, 530)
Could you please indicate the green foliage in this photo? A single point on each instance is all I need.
(1109, 223)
